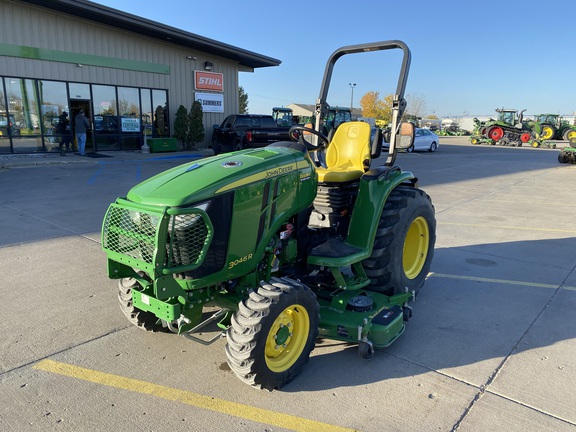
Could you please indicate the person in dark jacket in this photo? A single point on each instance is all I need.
(81, 126)
(64, 132)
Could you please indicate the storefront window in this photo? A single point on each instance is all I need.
(79, 91)
(31, 112)
(53, 103)
(4, 122)
(23, 105)
(161, 117)
(129, 109)
(106, 121)
(104, 100)
(147, 120)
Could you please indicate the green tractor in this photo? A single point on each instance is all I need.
(509, 128)
(568, 154)
(273, 250)
(478, 135)
(554, 127)
(283, 116)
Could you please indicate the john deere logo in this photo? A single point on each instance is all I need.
(353, 132)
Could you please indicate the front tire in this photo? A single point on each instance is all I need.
(273, 333)
(404, 243)
(141, 319)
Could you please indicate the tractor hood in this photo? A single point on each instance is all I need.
(203, 179)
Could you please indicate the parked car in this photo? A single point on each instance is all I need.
(424, 140)
(240, 131)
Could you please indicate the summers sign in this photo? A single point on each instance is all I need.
(211, 102)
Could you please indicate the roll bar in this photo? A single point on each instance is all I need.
(398, 104)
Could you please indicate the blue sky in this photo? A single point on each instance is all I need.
(468, 58)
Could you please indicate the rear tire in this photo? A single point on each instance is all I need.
(569, 134)
(141, 319)
(548, 132)
(404, 243)
(495, 133)
(433, 147)
(273, 333)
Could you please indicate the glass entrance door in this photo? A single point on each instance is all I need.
(75, 106)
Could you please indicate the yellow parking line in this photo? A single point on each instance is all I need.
(500, 281)
(200, 401)
(509, 227)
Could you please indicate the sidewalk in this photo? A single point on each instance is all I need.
(41, 159)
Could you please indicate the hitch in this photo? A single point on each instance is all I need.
(217, 315)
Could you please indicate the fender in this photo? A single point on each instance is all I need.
(375, 187)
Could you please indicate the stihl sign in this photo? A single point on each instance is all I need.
(208, 81)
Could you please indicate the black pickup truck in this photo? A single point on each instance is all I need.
(240, 131)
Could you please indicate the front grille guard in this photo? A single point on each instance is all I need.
(173, 241)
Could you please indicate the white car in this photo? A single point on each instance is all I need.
(424, 139)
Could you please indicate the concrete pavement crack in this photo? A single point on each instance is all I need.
(485, 387)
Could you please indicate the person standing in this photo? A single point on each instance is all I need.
(64, 131)
(81, 126)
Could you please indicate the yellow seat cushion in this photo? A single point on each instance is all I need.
(348, 155)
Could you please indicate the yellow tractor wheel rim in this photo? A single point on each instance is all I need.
(571, 135)
(547, 133)
(416, 247)
(287, 338)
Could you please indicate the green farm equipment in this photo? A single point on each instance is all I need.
(274, 250)
(478, 135)
(283, 116)
(509, 128)
(568, 154)
(554, 127)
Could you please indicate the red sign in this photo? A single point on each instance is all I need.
(208, 81)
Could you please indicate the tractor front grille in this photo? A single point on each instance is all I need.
(139, 237)
(130, 233)
(188, 234)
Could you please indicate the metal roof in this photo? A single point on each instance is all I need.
(102, 14)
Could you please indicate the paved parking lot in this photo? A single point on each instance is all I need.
(491, 345)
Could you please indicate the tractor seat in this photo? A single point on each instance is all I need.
(348, 155)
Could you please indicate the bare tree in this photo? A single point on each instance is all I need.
(416, 105)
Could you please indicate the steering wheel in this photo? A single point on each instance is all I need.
(300, 137)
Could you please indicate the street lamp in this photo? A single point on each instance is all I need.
(352, 96)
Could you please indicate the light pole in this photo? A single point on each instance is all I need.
(352, 96)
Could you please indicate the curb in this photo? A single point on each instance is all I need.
(39, 160)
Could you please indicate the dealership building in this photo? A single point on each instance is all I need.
(127, 73)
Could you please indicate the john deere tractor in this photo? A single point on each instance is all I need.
(273, 249)
(554, 127)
